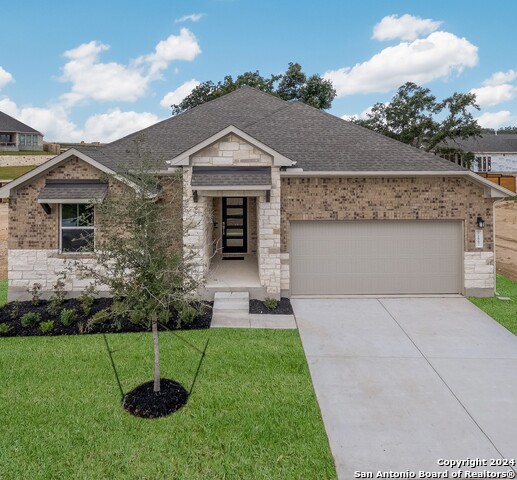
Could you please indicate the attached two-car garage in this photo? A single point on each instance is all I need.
(376, 257)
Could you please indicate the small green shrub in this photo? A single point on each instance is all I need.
(99, 318)
(87, 298)
(14, 310)
(35, 292)
(68, 316)
(4, 328)
(57, 298)
(270, 303)
(137, 317)
(47, 326)
(54, 307)
(30, 319)
(187, 315)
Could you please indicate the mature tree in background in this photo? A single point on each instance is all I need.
(507, 130)
(292, 85)
(414, 116)
(485, 130)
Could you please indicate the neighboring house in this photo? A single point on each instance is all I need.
(492, 153)
(16, 136)
(308, 203)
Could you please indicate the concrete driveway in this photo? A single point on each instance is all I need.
(405, 382)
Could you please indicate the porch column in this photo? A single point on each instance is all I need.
(269, 237)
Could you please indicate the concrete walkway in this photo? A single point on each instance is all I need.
(252, 320)
(404, 382)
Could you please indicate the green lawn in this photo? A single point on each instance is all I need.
(504, 311)
(10, 173)
(3, 292)
(26, 152)
(252, 414)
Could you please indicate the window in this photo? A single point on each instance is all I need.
(77, 232)
(484, 164)
(22, 140)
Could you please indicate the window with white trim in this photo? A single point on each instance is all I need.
(77, 227)
(484, 164)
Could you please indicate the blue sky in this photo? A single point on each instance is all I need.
(98, 70)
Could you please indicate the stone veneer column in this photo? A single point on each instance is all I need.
(479, 271)
(269, 237)
(197, 238)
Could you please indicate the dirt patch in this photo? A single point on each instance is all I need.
(506, 238)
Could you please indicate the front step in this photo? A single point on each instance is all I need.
(231, 309)
(233, 302)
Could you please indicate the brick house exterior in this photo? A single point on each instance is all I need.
(254, 167)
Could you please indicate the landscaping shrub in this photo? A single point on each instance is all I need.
(86, 299)
(57, 298)
(4, 328)
(14, 310)
(35, 292)
(270, 303)
(187, 315)
(68, 316)
(100, 317)
(46, 327)
(30, 319)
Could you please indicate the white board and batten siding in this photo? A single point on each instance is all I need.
(376, 257)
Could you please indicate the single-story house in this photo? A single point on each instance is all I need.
(304, 202)
(16, 136)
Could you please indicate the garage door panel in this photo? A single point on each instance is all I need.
(376, 257)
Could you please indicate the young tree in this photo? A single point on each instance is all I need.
(139, 251)
(292, 85)
(415, 117)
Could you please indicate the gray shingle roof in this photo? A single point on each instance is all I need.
(487, 143)
(316, 140)
(237, 176)
(73, 190)
(11, 125)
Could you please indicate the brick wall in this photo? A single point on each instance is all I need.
(417, 198)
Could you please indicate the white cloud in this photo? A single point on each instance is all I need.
(406, 27)
(176, 96)
(498, 78)
(194, 17)
(494, 94)
(496, 119)
(437, 56)
(361, 116)
(95, 80)
(107, 127)
(52, 122)
(5, 78)
(176, 47)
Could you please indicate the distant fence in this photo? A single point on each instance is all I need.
(506, 181)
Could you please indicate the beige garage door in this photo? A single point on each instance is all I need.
(375, 257)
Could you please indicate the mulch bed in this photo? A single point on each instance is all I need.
(144, 402)
(283, 308)
(81, 324)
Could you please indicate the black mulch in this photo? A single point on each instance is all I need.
(283, 308)
(11, 314)
(144, 402)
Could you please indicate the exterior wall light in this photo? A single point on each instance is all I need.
(480, 222)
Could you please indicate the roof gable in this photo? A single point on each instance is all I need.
(10, 124)
(184, 158)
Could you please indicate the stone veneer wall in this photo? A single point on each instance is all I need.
(414, 198)
(229, 151)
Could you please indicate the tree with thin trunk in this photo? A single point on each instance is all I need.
(139, 251)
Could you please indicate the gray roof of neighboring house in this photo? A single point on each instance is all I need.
(223, 176)
(487, 143)
(315, 140)
(73, 190)
(11, 125)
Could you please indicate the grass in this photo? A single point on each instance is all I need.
(3, 292)
(252, 413)
(504, 311)
(10, 173)
(25, 152)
